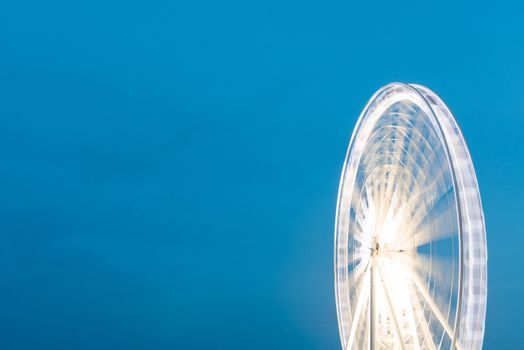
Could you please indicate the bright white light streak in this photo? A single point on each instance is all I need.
(422, 320)
(362, 299)
(434, 307)
(392, 308)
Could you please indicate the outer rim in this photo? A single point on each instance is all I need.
(470, 318)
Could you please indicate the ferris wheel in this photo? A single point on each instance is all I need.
(410, 242)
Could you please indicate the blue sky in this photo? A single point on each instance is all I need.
(169, 169)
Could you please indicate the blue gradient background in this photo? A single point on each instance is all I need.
(169, 169)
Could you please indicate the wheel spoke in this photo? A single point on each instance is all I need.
(362, 298)
(392, 311)
(422, 321)
(434, 308)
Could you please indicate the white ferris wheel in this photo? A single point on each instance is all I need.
(410, 243)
